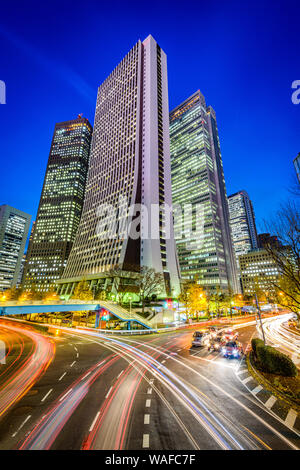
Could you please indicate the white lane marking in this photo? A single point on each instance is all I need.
(74, 362)
(270, 402)
(77, 355)
(94, 422)
(291, 417)
(256, 389)
(241, 371)
(107, 395)
(99, 364)
(178, 350)
(62, 376)
(64, 396)
(85, 376)
(247, 379)
(216, 363)
(163, 361)
(149, 391)
(146, 419)
(145, 441)
(75, 348)
(151, 381)
(120, 373)
(21, 425)
(148, 403)
(48, 393)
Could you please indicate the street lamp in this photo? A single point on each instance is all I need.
(130, 300)
(231, 305)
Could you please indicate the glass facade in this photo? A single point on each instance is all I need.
(198, 179)
(14, 226)
(60, 204)
(297, 166)
(242, 222)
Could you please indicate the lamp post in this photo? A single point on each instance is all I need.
(130, 300)
(259, 316)
(231, 305)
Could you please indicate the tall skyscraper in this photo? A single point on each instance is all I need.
(297, 166)
(242, 222)
(14, 226)
(60, 205)
(130, 160)
(198, 179)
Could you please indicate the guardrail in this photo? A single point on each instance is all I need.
(171, 328)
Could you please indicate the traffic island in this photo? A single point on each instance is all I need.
(267, 392)
(284, 388)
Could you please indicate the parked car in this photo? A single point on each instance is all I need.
(200, 338)
(232, 349)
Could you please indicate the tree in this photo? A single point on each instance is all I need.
(184, 295)
(196, 300)
(193, 298)
(31, 294)
(101, 295)
(82, 291)
(120, 283)
(286, 256)
(51, 296)
(12, 294)
(150, 282)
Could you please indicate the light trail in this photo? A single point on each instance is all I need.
(278, 335)
(207, 420)
(40, 355)
(46, 431)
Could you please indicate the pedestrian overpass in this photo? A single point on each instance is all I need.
(28, 307)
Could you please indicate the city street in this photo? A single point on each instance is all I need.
(141, 392)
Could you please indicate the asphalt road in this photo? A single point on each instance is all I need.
(141, 392)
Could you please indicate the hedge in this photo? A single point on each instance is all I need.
(273, 361)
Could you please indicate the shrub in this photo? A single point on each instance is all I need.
(254, 343)
(272, 360)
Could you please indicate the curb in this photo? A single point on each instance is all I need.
(281, 409)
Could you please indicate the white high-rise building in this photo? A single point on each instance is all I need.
(129, 165)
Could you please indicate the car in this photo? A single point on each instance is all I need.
(214, 331)
(230, 335)
(216, 344)
(200, 338)
(232, 349)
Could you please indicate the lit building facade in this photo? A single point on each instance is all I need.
(258, 271)
(60, 205)
(130, 159)
(242, 223)
(198, 179)
(14, 226)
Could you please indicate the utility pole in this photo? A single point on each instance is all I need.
(259, 316)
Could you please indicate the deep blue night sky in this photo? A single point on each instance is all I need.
(243, 56)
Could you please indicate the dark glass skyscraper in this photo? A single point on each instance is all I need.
(297, 166)
(60, 205)
(14, 226)
(198, 179)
